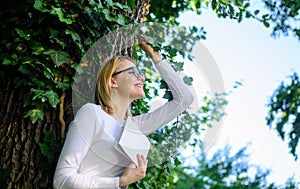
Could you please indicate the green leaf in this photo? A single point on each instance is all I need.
(62, 85)
(38, 4)
(35, 114)
(60, 14)
(178, 66)
(188, 80)
(122, 7)
(12, 62)
(121, 19)
(37, 48)
(163, 85)
(24, 69)
(8, 62)
(58, 57)
(173, 52)
(131, 4)
(37, 93)
(107, 15)
(266, 24)
(45, 150)
(168, 95)
(52, 97)
(109, 2)
(75, 36)
(22, 34)
(177, 161)
(248, 14)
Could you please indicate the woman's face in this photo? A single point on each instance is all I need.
(128, 82)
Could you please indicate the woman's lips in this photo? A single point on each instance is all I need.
(140, 85)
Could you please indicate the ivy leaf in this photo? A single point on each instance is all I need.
(178, 66)
(123, 7)
(168, 95)
(37, 93)
(38, 4)
(131, 4)
(60, 14)
(188, 80)
(45, 149)
(22, 34)
(9, 62)
(266, 24)
(63, 86)
(75, 37)
(52, 97)
(58, 57)
(24, 69)
(173, 52)
(163, 85)
(35, 114)
(37, 48)
(177, 161)
(122, 20)
(109, 2)
(107, 15)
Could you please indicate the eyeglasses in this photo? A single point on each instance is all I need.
(134, 70)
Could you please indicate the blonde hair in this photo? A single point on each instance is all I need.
(103, 90)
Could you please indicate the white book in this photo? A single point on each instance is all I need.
(133, 141)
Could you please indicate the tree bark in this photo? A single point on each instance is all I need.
(19, 148)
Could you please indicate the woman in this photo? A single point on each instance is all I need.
(91, 156)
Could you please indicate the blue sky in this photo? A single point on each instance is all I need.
(246, 52)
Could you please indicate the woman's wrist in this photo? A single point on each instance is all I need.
(122, 181)
(156, 57)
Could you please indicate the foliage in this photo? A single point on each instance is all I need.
(48, 38)
(224, 170)
(284, 15)
(284, 112)
(168, 12)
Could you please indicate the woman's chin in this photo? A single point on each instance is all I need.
(139, 96)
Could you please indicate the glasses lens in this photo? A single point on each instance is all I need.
(138, 73)
(135, 72)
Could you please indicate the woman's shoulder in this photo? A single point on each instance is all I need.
(90, 108)
(89, 105)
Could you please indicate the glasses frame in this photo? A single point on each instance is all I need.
(137, 74)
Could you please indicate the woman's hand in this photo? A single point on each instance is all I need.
(154, 55)
(133, 173)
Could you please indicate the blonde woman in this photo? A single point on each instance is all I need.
(91, 156)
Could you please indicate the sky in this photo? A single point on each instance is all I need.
(246, 52)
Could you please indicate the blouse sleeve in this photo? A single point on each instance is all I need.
(78, 141)
(182, 99)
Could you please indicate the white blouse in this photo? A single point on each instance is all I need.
(91, 156)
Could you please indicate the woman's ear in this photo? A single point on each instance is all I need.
(113, 83)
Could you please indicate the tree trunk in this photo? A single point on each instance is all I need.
(22, 164)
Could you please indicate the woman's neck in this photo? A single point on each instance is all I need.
(120, 110)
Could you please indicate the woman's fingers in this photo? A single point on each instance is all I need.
(142, 161)
(142, 165)
(132, 165)
(143, 38)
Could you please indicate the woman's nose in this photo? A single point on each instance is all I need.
(141, 77)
